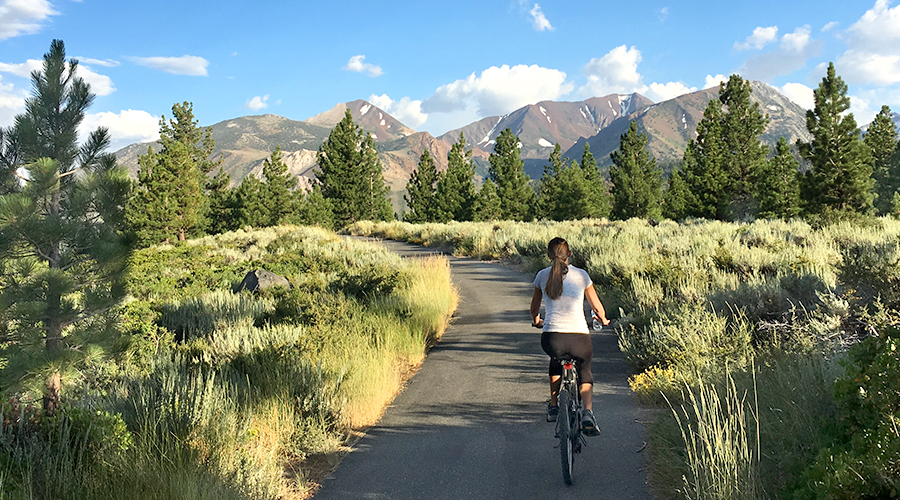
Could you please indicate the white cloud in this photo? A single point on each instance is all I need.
(659, 92)
(184, 65)
(878, 28)
(800, 94)
(408, 111)
(539, 20)
(663, 14)
(867, 67)
(23, 17)
(873, 53)
(830, 26)
(126, 127)
(12, 102)
(100, 84)
(499, 90)
(257, 103)
(109, 63)
(759, 39)
(862, 110)
(615, 72)
(714, 81)
(357, 65)
(795, 49)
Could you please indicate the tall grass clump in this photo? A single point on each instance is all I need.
(217, 394)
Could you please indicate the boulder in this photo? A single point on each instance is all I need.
(260, 279)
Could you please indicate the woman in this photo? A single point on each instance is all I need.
(565, 331)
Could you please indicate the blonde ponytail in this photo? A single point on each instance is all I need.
(558, 252)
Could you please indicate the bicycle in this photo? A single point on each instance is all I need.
(568, 423)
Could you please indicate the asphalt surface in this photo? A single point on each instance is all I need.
(471, 423)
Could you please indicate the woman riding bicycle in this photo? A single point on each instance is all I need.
(565, 332)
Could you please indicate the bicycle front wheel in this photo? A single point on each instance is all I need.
(566, 437)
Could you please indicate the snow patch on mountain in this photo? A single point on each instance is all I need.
(382, 122)
(365, 109)
(544, 143)
(543, 110)
(625, 103)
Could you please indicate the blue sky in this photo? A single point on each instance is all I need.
(437, 65)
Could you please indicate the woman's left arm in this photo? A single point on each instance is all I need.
(595, 303)
(535, 308)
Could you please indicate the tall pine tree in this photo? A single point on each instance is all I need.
(777, 188)
(597, 203)
(840, 177)
(745, 155)
(421, 198)
(278, 191)
(170, 201)
(552, 199)
(636, 180)
(507, 170)
(351, 175)
(455, 188)
(703, 168)
(487, 203)
(882, 141)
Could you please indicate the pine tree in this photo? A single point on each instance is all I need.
(313, 209)
(507, 170)
(677, 197)
(421, 197)
(351, 175)
(278, 191)
(487, 203)
(777, 186)
(170, 200)
(840, 177)
(703, 168)
(62, 245)
(251, 208)
(636, 180)
(220, 217)
(455, 188)
(882, 141)
(745, 155)
(597, 204)
(552, 199)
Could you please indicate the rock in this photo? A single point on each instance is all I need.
(260, 279)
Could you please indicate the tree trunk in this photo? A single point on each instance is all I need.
(52, 393)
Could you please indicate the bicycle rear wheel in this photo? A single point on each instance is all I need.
(566, 438)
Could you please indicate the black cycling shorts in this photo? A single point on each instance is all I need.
(575, 345)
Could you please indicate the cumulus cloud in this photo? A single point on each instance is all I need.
(759, 39)
(539, 20)
(615, 72)
(100, 84)
(499, 90)
(257, 103)
(12, 102)
(357, 65)
(659, 92)
(408, 111)
(109, 63)
(23, 17)
(125, 127)
(873, 55)
(792, 53)
(830, 26)
(714, 81)
(184, 65)
(800, 94)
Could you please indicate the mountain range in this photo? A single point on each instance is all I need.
(243, 143)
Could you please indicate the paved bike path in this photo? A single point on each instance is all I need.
(470, 423)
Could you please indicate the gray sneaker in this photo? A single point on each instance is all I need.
(589, 424)
(552, 413)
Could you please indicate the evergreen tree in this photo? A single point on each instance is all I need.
(351, 175)
(313, 209)
(597, 203)
(278, 191)
(882, 141)
(221, 203)
(487, 203)
(777, 186)
(455, 188)
(745, 154)
(62, 246)
(636, 180)
(170, 200)
(677, 197)
(703, 168)
(552, 199)
(251, 208)
(507, 171)
(840, 177)
(421, 197)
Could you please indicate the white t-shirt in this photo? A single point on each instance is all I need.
(565, 314)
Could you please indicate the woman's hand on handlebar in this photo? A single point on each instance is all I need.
(539, 323)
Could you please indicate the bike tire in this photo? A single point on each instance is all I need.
(566, 438)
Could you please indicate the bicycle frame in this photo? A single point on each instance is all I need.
(568, 423)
